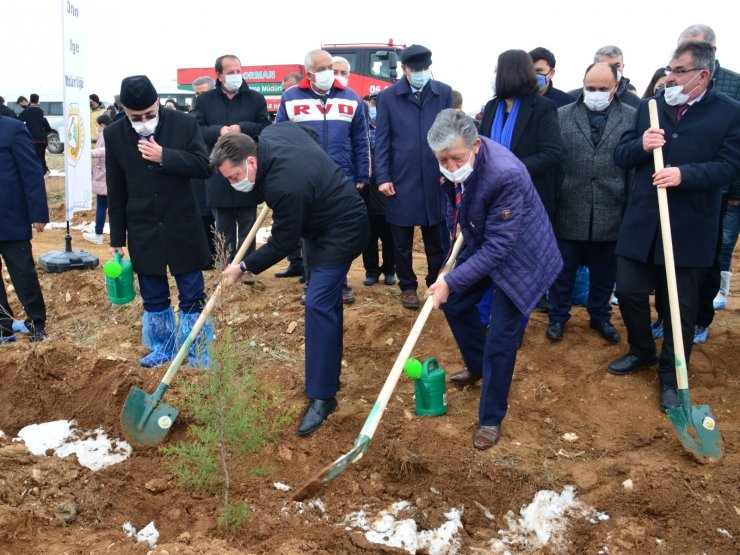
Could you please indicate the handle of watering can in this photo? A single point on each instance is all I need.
(670, 266)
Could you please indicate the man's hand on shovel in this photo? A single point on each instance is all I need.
(439, 290)
(231, 274)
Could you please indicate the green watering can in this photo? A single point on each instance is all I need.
(119, 280)
(430, 388)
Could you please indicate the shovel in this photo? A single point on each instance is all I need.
(145, 419)
(362, 443)
(695, 426)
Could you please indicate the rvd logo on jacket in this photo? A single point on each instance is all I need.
(312, 109)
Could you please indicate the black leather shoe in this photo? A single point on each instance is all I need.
(543, 305)
(464, 378)
(555, 331)
(669, 397)
(606, 330)
(486, 437)
(316, 413)
(390, 279)
(36, 332)
(626, 364)
(290, 271)
(370, 280)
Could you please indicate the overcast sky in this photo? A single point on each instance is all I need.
(156, 37)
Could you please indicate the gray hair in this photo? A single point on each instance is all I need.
(701, 51)
(448, 126)
(308, 60)
(699, 30)
(343, 60)
(205, 80)
(609, 51)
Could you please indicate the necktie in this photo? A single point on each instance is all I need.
(682, 109)
(418, 96)
(453, 233)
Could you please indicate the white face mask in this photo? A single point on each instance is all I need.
(342, 79)
(619, 75)
(324, 79)
(674, 96)
(244, 186)
(145, 128)
(596, 101)
(233, 82)
(420, 78)
(460, 174)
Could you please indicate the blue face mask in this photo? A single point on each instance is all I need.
(541, 81)
(373, 112)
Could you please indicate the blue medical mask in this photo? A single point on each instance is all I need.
(245, 185)
(418, 79)
(373, 112)
(541, 81)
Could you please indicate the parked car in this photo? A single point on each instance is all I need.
(54, 112)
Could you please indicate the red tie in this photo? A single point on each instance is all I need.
(681, 111)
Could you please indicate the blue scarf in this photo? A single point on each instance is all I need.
(500, 132)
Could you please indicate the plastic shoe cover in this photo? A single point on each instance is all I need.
(657, 328)
(199, 353)
(7, 339)
(719, 302)
(700, 334)
(19, 326)
(158, 334)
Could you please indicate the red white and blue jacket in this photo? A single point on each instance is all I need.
(339, 120)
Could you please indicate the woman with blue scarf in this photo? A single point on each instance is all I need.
(526, 123)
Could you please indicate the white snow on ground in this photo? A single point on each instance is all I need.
(544, 522)
(87, 227)
(263, 234)
(147, 534)
(94, 449)
(386, 529)
(281, 486)
(56, 173)
(2, 434)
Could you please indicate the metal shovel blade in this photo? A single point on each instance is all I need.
(697, 429)
(146, 420)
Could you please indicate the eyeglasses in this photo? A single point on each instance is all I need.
(681, 70)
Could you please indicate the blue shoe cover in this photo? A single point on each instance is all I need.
(158, 334)
(199, 353)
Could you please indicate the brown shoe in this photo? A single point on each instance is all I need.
(464, 378)
(486, 437)
(248, 278)
(409, 298)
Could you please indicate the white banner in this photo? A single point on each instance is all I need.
(77, 169)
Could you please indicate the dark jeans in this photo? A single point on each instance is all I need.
(324, 329)
(602, 268)
(710, 284)
(635, 280)
(101, 209)
(492, 354)
(231, 222)
(19, 261)
(730, 231)
(403, 242)
(155, 292)
(380, 229)
(41, 155)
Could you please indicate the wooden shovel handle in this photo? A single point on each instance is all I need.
(670, 267)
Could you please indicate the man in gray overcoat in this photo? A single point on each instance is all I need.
(591, 198)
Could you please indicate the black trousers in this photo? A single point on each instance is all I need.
(635, 280)
(41, 154)
(18, 259)
(234, 224)
(602, 268)
(710, 284)
(403, 243)
(380, 229)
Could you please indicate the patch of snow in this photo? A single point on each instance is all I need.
(628, 484)
(2, 434)
(86, 227)
(659, 541)
(281, 486)
(94, 449)
(723, 532)
(386, 529)
(148, 534)
(56, 173)
(544, 522)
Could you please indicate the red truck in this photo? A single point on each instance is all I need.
(373, 69)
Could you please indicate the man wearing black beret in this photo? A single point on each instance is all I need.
(406, 169)
(151, 156)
